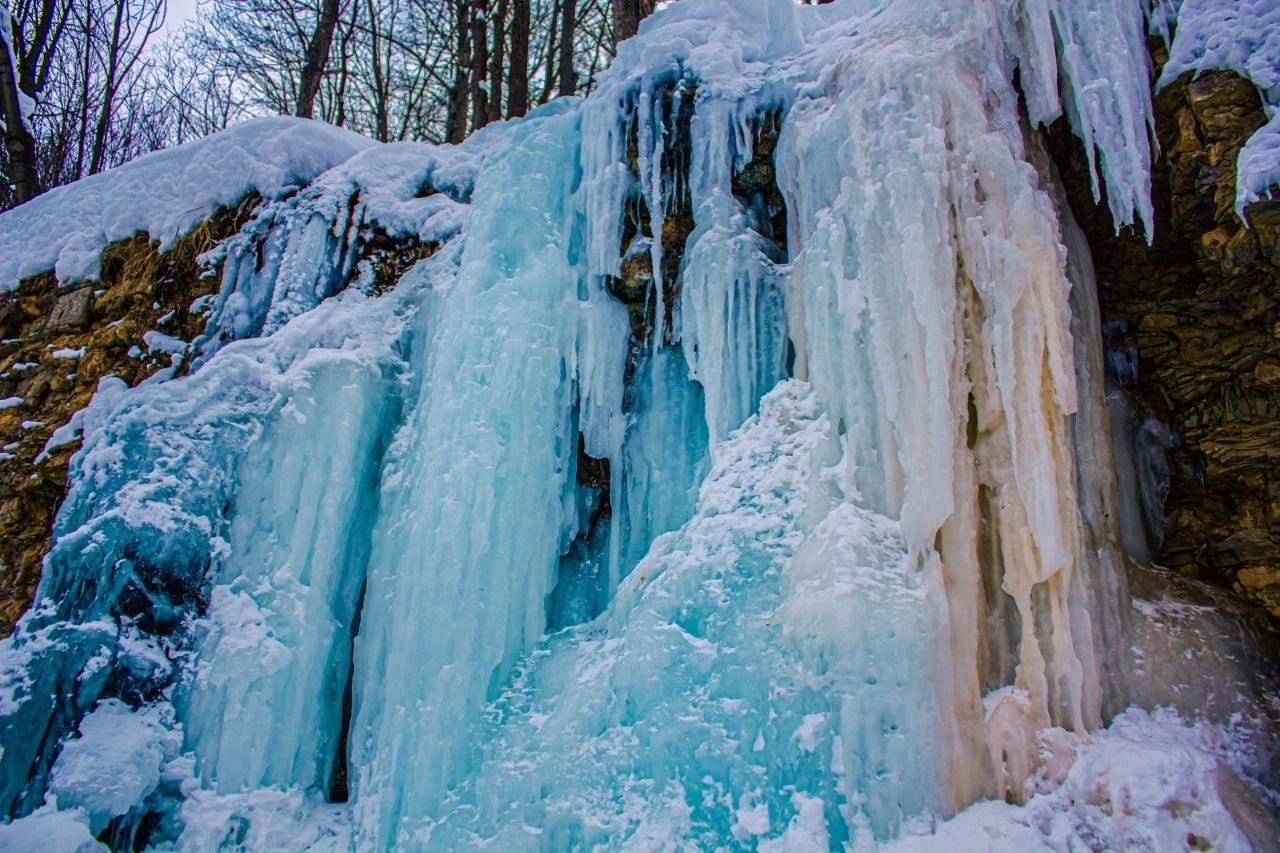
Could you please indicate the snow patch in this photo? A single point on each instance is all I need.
(165, 194)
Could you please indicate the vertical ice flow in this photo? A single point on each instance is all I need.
(926, 488)
(465, 549)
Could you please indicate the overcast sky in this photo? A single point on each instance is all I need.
(179, 11)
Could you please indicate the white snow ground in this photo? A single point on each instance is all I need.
(165, 194)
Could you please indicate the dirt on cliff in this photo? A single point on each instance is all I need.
(57, 340)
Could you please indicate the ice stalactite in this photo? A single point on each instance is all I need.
(734, 471)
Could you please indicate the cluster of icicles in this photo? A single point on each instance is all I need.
(855, 478)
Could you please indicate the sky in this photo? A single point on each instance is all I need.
(179, 12)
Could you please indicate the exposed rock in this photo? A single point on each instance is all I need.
(59, 340)
(1202, 307)
(632, 287)
(385, 259)
(72, 309)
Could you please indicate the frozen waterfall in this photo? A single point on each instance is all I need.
(733, 469)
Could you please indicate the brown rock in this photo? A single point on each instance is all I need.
(1158, 321)
(1268, 373)
(72, 309)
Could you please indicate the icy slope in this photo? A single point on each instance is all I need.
(731, 469)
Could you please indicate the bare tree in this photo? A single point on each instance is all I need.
(20, 146)
(131, 25)
(317, 57)
(568, 78)
(478, 68)
(627, 15)
(518, 71)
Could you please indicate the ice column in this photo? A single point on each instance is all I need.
(265, 708)
(931, 294)
(465, 551)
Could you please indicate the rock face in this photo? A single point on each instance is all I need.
(58, 342)
(1201, 309)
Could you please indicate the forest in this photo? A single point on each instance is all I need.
(104, 81)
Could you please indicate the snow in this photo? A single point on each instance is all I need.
(165, 194)
(50, 830)
(11, 403)
(87, 421)
(1147, 782)
(114, 764)
(1258, 166)
(160, 342)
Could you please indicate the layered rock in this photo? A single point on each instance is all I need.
(1200, 306)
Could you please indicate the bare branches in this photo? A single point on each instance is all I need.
(105, 90)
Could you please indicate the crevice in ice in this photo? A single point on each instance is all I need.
(340, 778)
(755, 186)
(998, 648)
(582, 576)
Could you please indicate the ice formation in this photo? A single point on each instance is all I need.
(795, 544)
(166, 194)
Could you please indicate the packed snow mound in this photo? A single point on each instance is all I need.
(1241, 36)
(52, 831)
(165, 194)
(1147, 782)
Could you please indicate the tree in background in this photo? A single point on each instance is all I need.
(19, 145)
(105, 88)
(84, 67)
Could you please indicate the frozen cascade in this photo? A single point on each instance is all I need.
(475, 492)
(797, 547)
(775, 617)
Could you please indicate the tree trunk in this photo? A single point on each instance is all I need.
(627, 15)
(18, 143)
(479, 67)
(568, 26)
(518, 73)
(106, 109)
(553, 32)
(497, 61)
(31, 61)
(317, 58)
(456, 121)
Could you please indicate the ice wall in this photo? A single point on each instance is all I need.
(819, 513)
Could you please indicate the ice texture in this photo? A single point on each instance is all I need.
(778, 644)
(115, 763)
(1148, 782)
(801, 549)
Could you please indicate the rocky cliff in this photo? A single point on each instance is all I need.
(1195, 315)
(1193, 323)
(59, 340)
